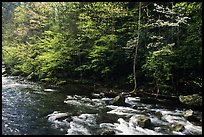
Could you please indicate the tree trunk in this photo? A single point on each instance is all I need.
(136, 49)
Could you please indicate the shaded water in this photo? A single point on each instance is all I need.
(27, 109)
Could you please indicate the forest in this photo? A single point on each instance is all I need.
(153, 46)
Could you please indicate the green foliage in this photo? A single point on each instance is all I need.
(158, 66)
(96, 40)
(9, 56)
(98, 57)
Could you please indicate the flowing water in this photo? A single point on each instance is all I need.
(32, 108)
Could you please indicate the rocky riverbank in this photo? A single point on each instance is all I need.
(132, 118)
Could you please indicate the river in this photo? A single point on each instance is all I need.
(28, 109)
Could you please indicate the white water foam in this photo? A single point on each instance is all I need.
(80, 124)
(121, 110)
(126, 128)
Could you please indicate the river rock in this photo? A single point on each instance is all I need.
(190, 116)
(188, 113)
(119, 100)
(135, 107)
(158, 114)
(193, 100)
(177, 127)
(58, 116)
(106, 131)
(142, 121)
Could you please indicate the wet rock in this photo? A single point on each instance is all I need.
(134, 107)
(158, 114)
(58, 116)
(106, 131)
(193, 100)
(119, 100)
(60, 120)
(188, 113)
(142, 121)
(177, 127)
(190, 116)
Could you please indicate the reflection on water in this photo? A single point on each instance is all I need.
(27, 108)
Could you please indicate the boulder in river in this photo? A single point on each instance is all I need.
(158, 114)
(143, 121)
(190, 116)
(192, 100)
(106, 131)
(177, 127)
(120, 100)
(188, 113)
(58, 116)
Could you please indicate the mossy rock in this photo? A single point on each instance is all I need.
(192, 100)
(177, 128)
(190, 116)
(119, 100)
(188, 113)
(142, 121)
(158, 114)
(106, 131)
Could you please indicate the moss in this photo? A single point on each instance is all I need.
(144, 122)
(106, 132)
(194, 100)
(119, 100)
(158, 114)
(177, 128)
